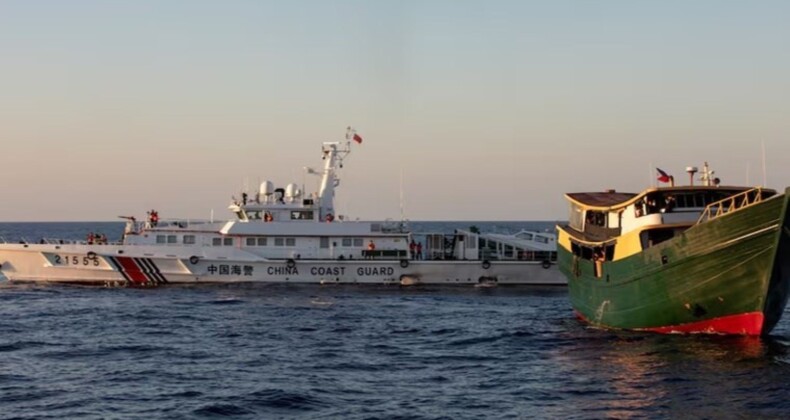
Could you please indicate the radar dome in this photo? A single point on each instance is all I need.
(267, 188)
(292, 191)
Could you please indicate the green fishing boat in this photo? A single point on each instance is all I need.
(679, 259)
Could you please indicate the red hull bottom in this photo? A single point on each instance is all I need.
(750, 323)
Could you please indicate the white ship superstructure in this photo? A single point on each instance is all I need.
(284, 235)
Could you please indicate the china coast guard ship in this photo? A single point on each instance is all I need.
(283, 235)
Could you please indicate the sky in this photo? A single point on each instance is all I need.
(469, 110)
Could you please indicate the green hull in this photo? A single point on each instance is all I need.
(728, 268)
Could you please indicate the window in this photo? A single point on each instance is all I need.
(279, 241)
(161, 239)
(290, 241)
(324, 242)
(189, 239)
(216, 241)
(172, 239)
(358, 242)
(347, 242)
(302, 215)
(251, 242)
(576, 217)
(261, 241)
(227, 241)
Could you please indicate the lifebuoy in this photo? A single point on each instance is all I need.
(290, 263)
(194, 259)
(546, 264)
(486, 264)
(91, 255)
(404, 263)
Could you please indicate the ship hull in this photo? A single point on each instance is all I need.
(141, 265)
(728, 275)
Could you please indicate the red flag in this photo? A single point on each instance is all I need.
(357, 138)
(662, 176)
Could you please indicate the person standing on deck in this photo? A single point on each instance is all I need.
(371, 249)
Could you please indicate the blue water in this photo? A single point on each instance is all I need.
(285, 351)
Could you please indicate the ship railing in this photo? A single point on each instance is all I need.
(731, 204)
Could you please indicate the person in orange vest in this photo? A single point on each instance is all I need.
(371, 248)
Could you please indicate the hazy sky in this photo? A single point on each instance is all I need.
(490, 109)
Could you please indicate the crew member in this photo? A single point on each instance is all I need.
(371, 249)
(419, 250)
(153, 218)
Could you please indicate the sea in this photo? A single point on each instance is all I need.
(257, 351)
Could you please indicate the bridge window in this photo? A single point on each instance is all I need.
(216, 241)
(161, 239)
(302, 215)
(251, 242)
(189, 239)
(346, 242)
(227, 241)
(261, 241)
(576, 217)
(290, 241)
(172, 239)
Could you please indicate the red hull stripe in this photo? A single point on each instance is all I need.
(132, 270)
(750, 323)
(118, 267)
(151, 270)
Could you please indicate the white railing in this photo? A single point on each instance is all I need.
(731, 204)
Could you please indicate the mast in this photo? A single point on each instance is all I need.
(333, 160)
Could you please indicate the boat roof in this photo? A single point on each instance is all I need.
(608, 200)
(599, 199)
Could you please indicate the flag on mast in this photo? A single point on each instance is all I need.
(662, 176)
(351, 134)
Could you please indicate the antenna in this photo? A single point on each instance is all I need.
(765, 182)
(401, 193)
